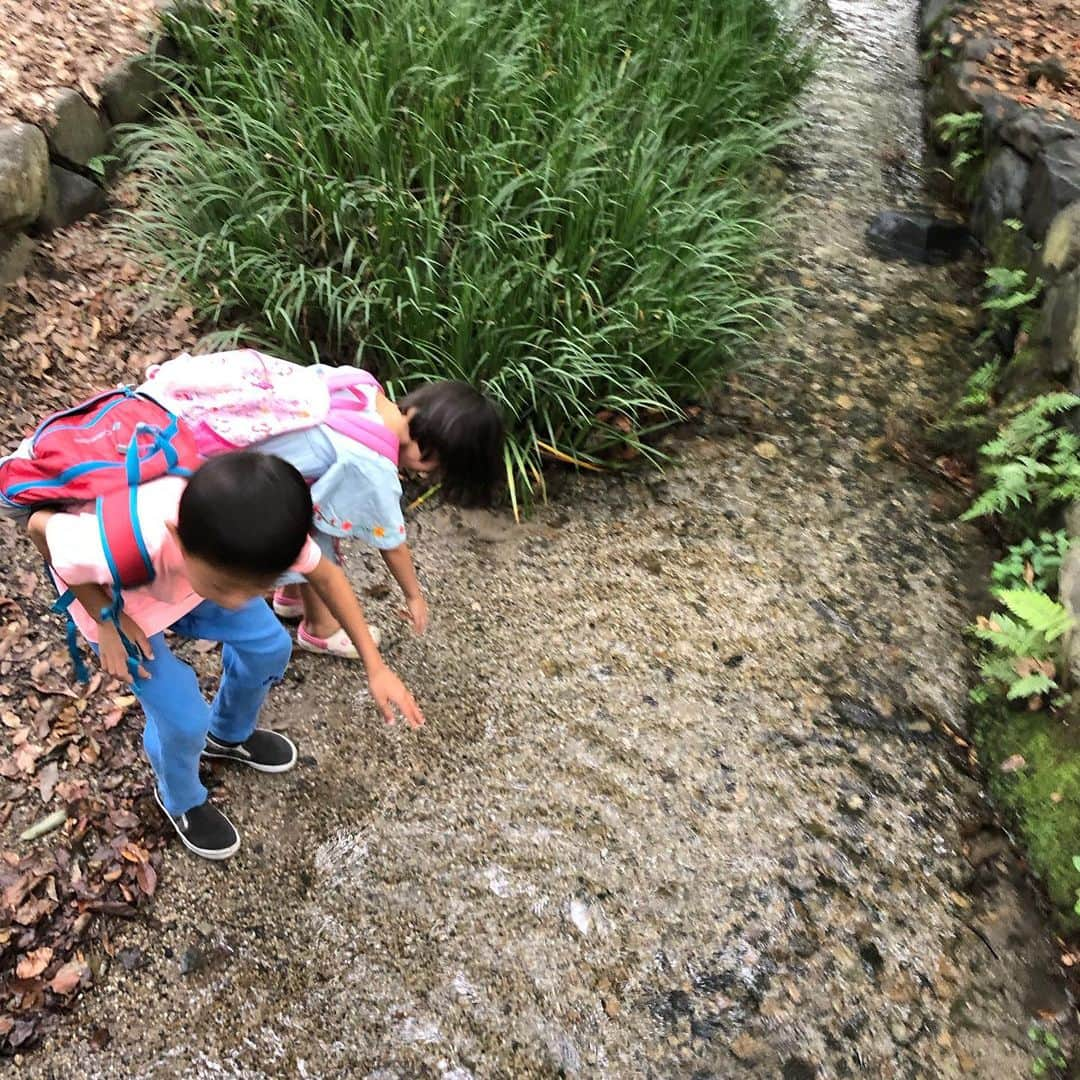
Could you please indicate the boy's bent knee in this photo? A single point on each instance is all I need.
(279, 649)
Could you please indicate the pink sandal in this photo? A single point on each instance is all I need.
(337, 644)
(286, 606)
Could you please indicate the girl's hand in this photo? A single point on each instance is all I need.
(417, 613)
(389, 693)
(113, 652)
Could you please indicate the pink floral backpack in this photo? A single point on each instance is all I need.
(233, 400)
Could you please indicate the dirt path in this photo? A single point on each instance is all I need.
(683, 807)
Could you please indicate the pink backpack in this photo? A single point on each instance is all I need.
(100, 451)
(233, 400)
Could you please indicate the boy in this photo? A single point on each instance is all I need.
(217, 542)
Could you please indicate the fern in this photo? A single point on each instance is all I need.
(980, 386)
(1021, 656)
(1032, 563)
(1037, 610)
(1031, 685)
(1032, 460)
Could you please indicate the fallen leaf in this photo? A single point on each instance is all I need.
(146, 876)
(1013, 763)
(134, 853)
(767, 450)
(34, 963)
(68, 977)
(47, 779)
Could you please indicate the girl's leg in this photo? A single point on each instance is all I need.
(317, 618)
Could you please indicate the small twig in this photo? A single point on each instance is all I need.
(982, 937)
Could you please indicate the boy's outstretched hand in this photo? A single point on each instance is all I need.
(389, 693)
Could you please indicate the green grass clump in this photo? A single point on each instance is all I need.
(1042, 796)
(559, 201)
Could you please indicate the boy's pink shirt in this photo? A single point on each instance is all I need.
(78, 558)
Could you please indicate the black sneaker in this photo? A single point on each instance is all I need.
(204, 830)
(264, 750)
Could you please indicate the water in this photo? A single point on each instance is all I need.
(686, 804)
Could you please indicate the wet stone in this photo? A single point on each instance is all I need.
(799, 1068)
(1054, 183)
(1001, 193)
(191, 960)
(917, 237)
(131, 959)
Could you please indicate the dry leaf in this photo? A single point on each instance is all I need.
(34, 963)
(1013, 763)
(146, 876)
(47, 779)
(68, 977)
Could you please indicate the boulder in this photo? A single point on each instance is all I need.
(1061, 248)
(131, 89)
(933, 13)
(71, 196)
(979, 48)
(1001, 192)
(1059, 326)
(15, 251)
(1030, 132)
(953, 89)
(917, 237)
(24, 173)
(1069, 592)
(1054, 183)
(74, 129)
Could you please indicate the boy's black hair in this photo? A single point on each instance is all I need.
(464, 430)
(247, 513)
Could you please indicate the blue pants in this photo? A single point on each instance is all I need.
(257, 650)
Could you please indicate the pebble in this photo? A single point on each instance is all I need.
(191, 960)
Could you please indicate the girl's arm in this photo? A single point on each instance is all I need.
(399, 562)
(387, 689)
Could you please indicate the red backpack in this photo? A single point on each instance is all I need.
(100, 451)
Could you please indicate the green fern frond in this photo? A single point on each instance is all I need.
(1037, 610)
(1030, 684)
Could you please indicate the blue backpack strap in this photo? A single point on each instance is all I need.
(63, 607)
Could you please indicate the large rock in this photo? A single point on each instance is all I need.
(1054, 183)
(131, 89)
(1069, 592)
(956, 88)
(15, 251)
(71, 196)
(933, 13)
(1030, 132)
(1001, 192)
(74, 129)
(1059, 326)
(917, 237)
(1061, 248)
(24, 173)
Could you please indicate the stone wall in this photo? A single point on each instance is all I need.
(46, 179)
(1029, 173)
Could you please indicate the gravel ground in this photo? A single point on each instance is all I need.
(686, 804)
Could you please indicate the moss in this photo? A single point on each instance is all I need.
(1043, 797)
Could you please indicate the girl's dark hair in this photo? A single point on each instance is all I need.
(464, 430)
(245, 512)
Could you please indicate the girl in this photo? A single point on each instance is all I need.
(348, 440)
